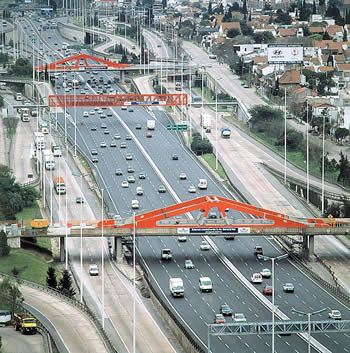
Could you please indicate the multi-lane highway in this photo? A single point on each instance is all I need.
(153, 156)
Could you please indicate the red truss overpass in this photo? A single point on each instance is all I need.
(81, 62)
(118, 100)
(166, 221)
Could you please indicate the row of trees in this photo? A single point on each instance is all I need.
(270, 123)
(64, 285)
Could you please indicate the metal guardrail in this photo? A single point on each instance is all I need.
(329, 195)
(82, 307)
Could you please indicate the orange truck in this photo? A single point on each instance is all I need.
(39, 223)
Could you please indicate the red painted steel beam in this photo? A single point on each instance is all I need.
(80, 61)
(206, 203)
(118, 100)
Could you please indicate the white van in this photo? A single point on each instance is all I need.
(256, 278)
(203, 184)
(205, 284)
(135, 204)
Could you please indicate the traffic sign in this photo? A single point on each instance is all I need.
(179, 127)
(77, 46)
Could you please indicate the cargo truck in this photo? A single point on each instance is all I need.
(225, 132)
(57, 151)
(206, 122)
(59, 185)
(166, 254)
(176, 287)
(151, 124)
(48, 160)
(39, 140)
(25, 323)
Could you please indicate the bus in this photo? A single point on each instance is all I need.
(64, 46)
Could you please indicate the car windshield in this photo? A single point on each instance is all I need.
(206, 283)
(239, 316)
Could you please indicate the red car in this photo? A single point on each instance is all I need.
(149, 134)
(219, 319)
(267, 290)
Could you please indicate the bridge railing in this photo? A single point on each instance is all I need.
(82, 307)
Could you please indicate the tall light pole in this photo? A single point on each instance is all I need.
(323, 138)
(81, 176)
(134, 284)
(102, 257)
(309, 322)
(273, 259)
(202, 108)
(216, 124)
(307, 154)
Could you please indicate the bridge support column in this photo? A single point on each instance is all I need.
(62, 249)
(311, 245)
(122, 76)
(117, 249)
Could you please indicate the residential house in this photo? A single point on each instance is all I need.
(300, 94)
(287, 32)
(316, 30)
(318, 107)
(335, 32)
(226, 26)
(290, 80)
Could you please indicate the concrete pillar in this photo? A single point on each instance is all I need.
(122, 76)
(311, 245)
(117, 249)
(305, 248)
(62, 249)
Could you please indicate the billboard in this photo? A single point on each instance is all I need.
(285, 53)
(47, 11)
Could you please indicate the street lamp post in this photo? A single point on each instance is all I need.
(102, 258)
(309, 322)
(81, 176)
(273, 259)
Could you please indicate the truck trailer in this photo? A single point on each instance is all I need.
(25, 323)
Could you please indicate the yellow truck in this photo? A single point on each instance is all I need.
(25, 323)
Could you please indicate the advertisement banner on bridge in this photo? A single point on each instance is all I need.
(214, 230)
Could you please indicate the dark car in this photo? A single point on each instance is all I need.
(79, 199)
(226, 310)
(138, 127)
(142, 175)
(267, 290)
(118, 172)
(258, 250)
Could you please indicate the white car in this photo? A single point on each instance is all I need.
(266, 273)
(93, 270)
(183, 176)
(125, 184)
(204, 245)
(239, 318)
(192, 189)
(92, 112)
(189, 264)
(86, 114)
(135, 204)
(100, 111)
(256, 278)
(181, 238)
(334, 314)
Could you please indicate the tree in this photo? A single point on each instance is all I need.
(304, 14)
(9, 289)
(314, 11)
(4, 248)
(164, 4)
(294, 140)
(345, 36)
(51, 279)
(201, 146)
(264, 37)
(22, 67)
(344, 170)
(227, 17)
(65, 284)
(341, 133)
(233, 32)
(326, 36)
(2, 102)
(210, 8)
(283, 17)
(244, 8)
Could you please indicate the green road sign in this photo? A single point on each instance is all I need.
(78, 47)
(180, 127)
